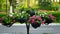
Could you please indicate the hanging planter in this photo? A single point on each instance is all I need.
(22, 20)
(24, 17)
(17, 19)
(49, 19)
(35, 24)
(7, 21)
(35, 21)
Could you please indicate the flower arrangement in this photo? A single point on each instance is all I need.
(49, 19)
(29, 16)
(35, 21)
(21, 17)
(7, 21)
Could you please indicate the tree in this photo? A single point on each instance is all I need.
(0, 5)
(2, 2)
(12, 5)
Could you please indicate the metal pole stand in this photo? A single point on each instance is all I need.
(27, 26)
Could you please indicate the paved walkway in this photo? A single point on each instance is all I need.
(21, 29)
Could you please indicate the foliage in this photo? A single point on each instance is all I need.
(2, 5)
(50, 18)
(35, 21)
(35, 18)
(1, 15)
(56, 14)
(49, 5)
(21, 17)
(55, 5)
(45, 5)
(6, 20)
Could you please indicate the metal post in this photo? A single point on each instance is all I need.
(27, 26)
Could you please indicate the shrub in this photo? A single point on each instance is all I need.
(49, 6)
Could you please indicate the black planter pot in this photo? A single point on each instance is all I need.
(17, 19)
(42, 18)
(22, 20)
(35, 25)
(48, 21)
(8, 24)
(8, 21)
(31, 12)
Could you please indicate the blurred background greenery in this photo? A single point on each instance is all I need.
(49, 6)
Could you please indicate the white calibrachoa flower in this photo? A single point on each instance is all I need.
(23, 11)
(42, 15)
(20, 13)
(11, 14)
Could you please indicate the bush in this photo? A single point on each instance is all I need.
(49, 6)
(45, 5)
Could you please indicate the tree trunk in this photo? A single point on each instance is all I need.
(11, 7)
(11, 10)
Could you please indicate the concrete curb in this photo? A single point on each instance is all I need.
(41, 24)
